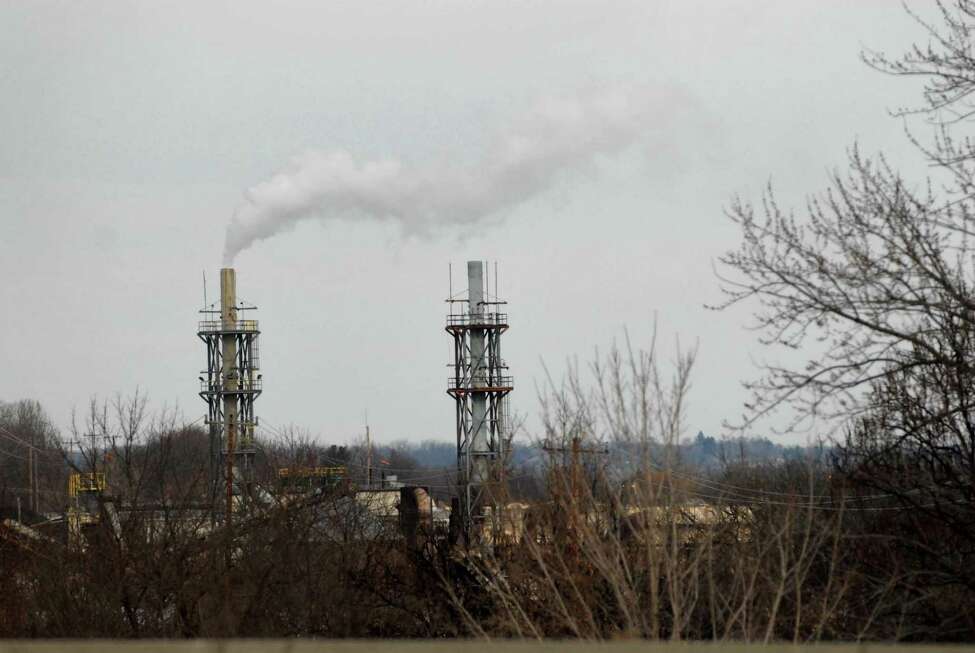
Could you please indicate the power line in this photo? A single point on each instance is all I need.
(16, 438)
(718, 485)
(737, 493)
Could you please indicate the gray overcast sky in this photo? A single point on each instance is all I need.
(130, 131)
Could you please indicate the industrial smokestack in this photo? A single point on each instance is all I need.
(230, 387)
(479, 436)
(479, 386)
(228, 296)
(228, 319)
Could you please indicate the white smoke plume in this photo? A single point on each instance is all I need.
(524, 160)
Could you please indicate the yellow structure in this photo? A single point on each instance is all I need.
(311, 472)
(86, 482)
(78, 516)
(301, 479)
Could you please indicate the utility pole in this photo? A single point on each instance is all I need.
(30, 478)
(32, 481)
(575, 473)
(32, 474)
(32, 451)
(368, 456)
(93, 448)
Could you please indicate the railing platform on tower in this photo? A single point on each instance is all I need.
(219, 327)
(482, 321)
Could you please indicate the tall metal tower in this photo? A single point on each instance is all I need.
(230, 386)
(480, 387)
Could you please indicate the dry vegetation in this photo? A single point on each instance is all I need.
(783, 551)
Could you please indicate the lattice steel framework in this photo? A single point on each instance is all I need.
(230, 385)
(480, 386)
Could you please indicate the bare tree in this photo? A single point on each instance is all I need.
(654, 553)
(32, 471)
(880, 266)
(873, 289)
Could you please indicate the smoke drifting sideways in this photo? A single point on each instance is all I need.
(523, 161)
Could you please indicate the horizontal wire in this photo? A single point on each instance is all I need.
(741, 493)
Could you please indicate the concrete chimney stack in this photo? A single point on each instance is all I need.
(228, 319)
